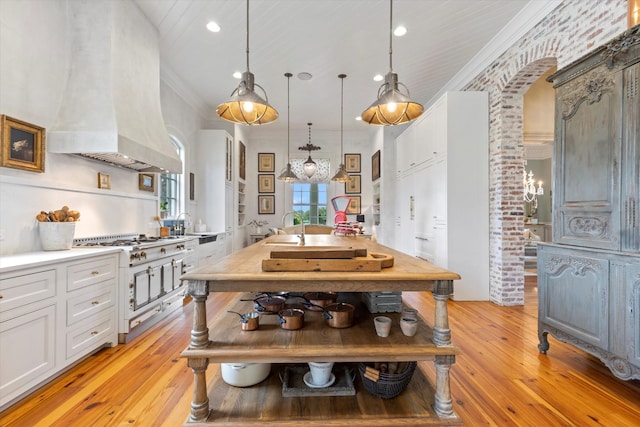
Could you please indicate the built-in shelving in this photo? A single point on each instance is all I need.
(241, 202)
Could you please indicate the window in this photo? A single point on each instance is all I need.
(310, 203)
(172, 187)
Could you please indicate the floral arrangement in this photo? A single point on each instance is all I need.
(257, 223)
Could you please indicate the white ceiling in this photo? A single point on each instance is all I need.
(324, 38)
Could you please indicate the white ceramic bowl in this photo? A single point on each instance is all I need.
(244, 374)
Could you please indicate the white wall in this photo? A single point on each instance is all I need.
(33, 72)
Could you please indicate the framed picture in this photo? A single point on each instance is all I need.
(375, 166)
(266, 183)
(353, 186)
(354, 206)
(192, 182)
(352, 162)
(266, 204)
(22, 145)
(266, 162)
(242, 161)
(104, 181)
(146, 182)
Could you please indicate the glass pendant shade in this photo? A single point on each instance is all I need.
(392, 106)
(310, 167)
(245, 106)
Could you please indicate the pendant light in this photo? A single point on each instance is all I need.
(288, 175)
(245, 106)
(392, 107)
(341, 175)
(310, 167)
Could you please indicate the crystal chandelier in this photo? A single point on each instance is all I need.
(531, 193)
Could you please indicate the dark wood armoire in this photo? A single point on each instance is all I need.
(589, 276)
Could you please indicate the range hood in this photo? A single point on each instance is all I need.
(110, 110)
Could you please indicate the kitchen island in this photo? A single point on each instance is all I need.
(222, 341)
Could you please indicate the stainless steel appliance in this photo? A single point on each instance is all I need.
(150, 270)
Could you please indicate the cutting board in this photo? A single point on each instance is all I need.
(314, 253)
(370, 262)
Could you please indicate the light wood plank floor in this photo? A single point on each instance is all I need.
(500, 379)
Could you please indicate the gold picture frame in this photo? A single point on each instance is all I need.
(22, 145)
(352, 162)
(266, 162)
(104, 181)
(354, 206)
(267, 204)
(353, 186)
(146, 182)
(266, 183)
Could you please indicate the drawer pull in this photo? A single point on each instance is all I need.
(95, 302)
(1, 297)
(94, 332)
(95, 273)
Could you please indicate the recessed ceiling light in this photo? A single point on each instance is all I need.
(399, 31)
(237, 75)
(378, 78)
(213, 27)
(305, 76)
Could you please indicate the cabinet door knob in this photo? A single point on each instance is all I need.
(94, 332)
(95, 273)
(95, 302)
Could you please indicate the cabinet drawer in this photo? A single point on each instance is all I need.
(89, 272)
(90, 335)
(86, 303)
(17, 291)
(27, 351)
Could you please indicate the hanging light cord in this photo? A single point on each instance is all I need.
(247, 35)
(390, 35)
(288, 75)
(342, 76)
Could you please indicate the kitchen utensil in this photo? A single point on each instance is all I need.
(339, 315)
(291, 318)
(318, 300)
(248, 321)
(244, 374)
(383, 325)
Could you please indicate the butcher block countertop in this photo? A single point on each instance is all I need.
(407, 273)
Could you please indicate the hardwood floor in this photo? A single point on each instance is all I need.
(499, 379)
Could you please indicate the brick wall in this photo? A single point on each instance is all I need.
(574, 28)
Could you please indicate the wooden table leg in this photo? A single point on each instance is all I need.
(200, 401)
(199, 291)
(443, 404)
(442, 290)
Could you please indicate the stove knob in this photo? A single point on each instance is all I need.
(163, 250)
(143, 254)
(136, 255)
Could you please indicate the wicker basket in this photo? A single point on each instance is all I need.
(388, 385)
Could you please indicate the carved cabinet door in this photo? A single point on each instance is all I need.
(630, 168)
(587, 154)
(632, 314)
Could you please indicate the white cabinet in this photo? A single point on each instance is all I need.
(405, 158)
(51, 315)
(450, 177)
(214, 189)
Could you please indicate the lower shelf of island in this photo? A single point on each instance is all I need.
(317, 342)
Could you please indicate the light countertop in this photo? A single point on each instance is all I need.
(34, 259)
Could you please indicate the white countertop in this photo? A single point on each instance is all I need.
(35, 259)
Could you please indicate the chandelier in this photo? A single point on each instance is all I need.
(310, 167)
(531, 193)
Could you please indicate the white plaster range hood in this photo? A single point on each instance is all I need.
(110, 109)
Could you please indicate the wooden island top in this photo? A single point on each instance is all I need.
(242, 271)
